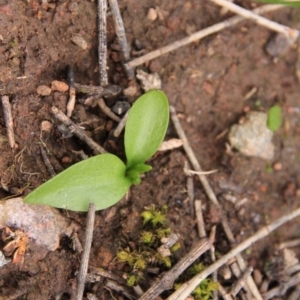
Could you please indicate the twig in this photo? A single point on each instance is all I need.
(190, 187)
(120, 289)
(277, 291)
(291, 33)
(109, 90)
(102, 42)
(102, 273)
(223, 293)
(212, 236)
(8, 120)
(211, 195)
(81, 277)
(289, 244)
(200, 221)
(72, 94)
(121, 125)
(295, 295)
(77, 130)
(167, 281)
(47, 162)
(189, 286)
(120, 31)
(107, 110)
(197, 36)
(241, 282)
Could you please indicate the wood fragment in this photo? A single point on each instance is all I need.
(289, 244)
(107, 110)
(197, 36)
(186, 289)
(167, 281)
(241, 282)
(77, 130)
(200, 221)
(295, 295)
(223, 293)
(8, 119)
(190, 191)
(102, 42)
(211, 196)
(81, 277)
(108, 91)
(120, 32)
(47, 162)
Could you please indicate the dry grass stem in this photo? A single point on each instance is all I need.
(77, 130)
(197, 36)
(121, 125)
(189, 286)
(211, 195)
(167, 281)
(8, 119)
(107, 110)
(291, 33)
(120, 31)
(113, 285)
(110, 90)
(102, 42)
(241, 282)
(81, 277)
(71, 102)
(47, 162)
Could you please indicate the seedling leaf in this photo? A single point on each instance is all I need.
(100, 180)
(284, 2)
(144, 131)
(274, 118)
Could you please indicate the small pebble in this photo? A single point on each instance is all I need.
(277, 166)
(279, 45)
(43, 90)
(79, 41)
(120, 107)
(152, 14)
(59, 86)
(66, 160)
(46, 126)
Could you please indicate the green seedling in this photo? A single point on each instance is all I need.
(104, 179)
(274, 120)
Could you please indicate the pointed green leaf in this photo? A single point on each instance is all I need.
(284, 2)
(100, 180)
(146, 127)
(274, 120)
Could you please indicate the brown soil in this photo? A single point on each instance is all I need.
(206, 81)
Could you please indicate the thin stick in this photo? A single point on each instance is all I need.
(102, 42)
(47, 162)
(197, 36)
(107, 110)
(120, 31)
(186, 289)
(241, 282)
(86, 251)
(8, 119)
(289, 244)
(291, 33)
(223, 293)
(113, 285)
(167, 281)
(121, 125)
(211, 195)
(77, 130)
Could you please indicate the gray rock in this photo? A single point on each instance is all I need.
(43, 224)
(253, 137)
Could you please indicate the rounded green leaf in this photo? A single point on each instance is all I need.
(274, 120)
(146, 127)
(100, 180)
